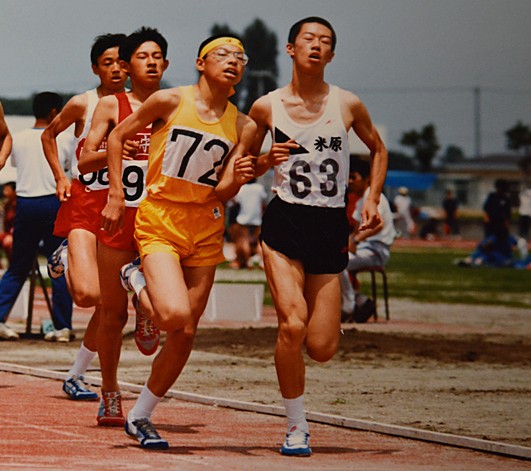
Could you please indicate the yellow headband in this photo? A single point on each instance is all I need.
(219, 42)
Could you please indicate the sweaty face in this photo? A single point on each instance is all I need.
(313, 45)
(226, 62)
(147, 62)
(111, 74)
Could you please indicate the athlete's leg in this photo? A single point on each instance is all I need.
(113, 317)
(170, 361)
(83, 284)
(90, 339)
(167, 290)
(172, 357)
(286, 281)
(82, 273)
(323, 297)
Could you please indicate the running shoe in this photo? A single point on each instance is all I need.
(363, 312)
(144, 431)
(147, 334)
(61, 335)
(110, 411)
(296, 443)
(55, 261)
(76, 389)
(7, 333)
(126, 271)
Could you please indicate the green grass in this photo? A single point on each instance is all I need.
(428, 275)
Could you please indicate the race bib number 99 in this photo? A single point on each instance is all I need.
(134, 181)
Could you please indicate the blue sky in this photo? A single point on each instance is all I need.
(411, 61)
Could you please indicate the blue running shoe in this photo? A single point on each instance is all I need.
(126, 271)
(296, 443)
(56, 267)
(144, 431)
(76, 389)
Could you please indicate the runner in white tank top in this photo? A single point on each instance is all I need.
(77, 260)
(316, 173)
(304, 230)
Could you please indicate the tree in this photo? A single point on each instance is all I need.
(424, 143)
(519, 137)
(400, 161)
(262, 70)
(222, 29)
(453, 154)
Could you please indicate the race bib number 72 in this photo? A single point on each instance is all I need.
(195, 156)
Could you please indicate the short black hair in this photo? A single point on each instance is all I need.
(296, 29)
(12, 185)
(501, 185)
(104, 42)
(217, 36)
(140, 36)
(45, 102)
(359, 165)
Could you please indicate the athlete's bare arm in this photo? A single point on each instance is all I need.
(239, 167)
(103, 121)
(262, 114)
(6, 140)
(156, 110)
(74, 112)
(357, 117)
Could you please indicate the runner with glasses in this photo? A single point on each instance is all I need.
(197, 159)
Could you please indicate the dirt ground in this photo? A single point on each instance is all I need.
(448, 368)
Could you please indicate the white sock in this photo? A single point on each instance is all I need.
(295, 414)
(138, 282)
(144, 405)
(83, 359)
(64, 260)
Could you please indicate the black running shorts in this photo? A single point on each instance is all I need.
(318, 237)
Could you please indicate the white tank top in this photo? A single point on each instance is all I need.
(316, 174)
(94, 180)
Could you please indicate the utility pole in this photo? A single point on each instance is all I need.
(477, 121)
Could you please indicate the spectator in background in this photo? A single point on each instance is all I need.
(404, 219)
(495, 250)
(524, 211)
(9, 209)
(6, 140)
(497, 210)
(450, 205)
(369, 247)
(37, 207)
(250, 201)
(352, 196)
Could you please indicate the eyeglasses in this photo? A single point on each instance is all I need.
(222, 55)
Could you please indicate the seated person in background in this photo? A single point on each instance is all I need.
(9, 208)
(367, 248)
(495, 250)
